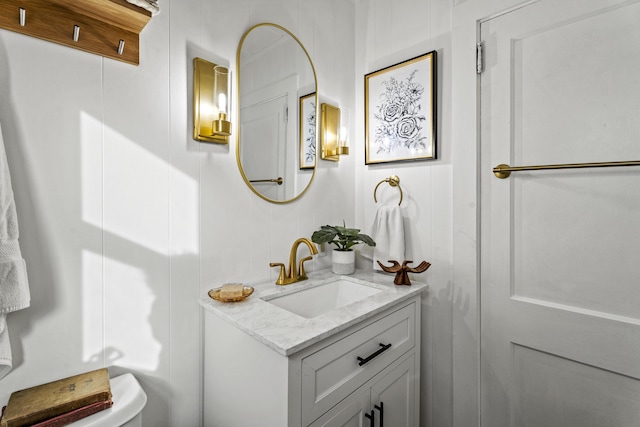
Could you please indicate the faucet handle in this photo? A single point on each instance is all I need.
(301, 273)
(280, 280)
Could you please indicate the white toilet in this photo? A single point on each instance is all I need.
(128, 400)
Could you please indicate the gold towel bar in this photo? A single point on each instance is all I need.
(277, 180)
(504, 171)
(393, 181)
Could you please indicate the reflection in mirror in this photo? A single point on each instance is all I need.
(277, 107)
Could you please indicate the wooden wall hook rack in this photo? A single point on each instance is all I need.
(109, 28)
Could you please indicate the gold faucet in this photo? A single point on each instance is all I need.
(294, 273)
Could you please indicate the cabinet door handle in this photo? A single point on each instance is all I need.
(372, 421)
(383, 348)
(381, 409)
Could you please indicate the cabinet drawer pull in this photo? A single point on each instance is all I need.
(371, 417)
(362, 361)
(381, 409)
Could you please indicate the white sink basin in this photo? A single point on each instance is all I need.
(316, 300)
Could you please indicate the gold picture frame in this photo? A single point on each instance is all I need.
(400, 111)
(307, 127)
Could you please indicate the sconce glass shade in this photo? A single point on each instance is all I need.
(211, 99)
(343, 147)
(221, 90)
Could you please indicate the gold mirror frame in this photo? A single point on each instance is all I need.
(238, 106)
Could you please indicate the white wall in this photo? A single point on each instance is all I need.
(387, 36)
(125, 220)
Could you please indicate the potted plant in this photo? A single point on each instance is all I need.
(343, 257)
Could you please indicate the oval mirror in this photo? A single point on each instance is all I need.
(277, 107)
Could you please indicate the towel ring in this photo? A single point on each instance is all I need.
(393, 181)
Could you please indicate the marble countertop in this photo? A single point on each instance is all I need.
(288, 333)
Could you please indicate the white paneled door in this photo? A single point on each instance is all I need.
(560, 249)
(264, 122)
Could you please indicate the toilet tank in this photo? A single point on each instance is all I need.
(128, 401)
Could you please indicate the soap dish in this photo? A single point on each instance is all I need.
(215, 294)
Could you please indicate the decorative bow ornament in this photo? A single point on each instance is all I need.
(402, 276)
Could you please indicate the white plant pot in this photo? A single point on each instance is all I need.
(343, 262)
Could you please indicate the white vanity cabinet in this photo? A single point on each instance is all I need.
(348, 378)
(388, 399)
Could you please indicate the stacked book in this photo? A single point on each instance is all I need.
(59, 403)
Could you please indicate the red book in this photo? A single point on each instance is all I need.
(75, 415)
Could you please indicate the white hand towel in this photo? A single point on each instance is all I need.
(388, 232)
(150, 5)
(14, 285)
(6, 362)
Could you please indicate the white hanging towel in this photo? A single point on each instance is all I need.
(388, 232)
(14, 285)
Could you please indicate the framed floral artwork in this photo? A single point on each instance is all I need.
(307, 110)
(400, 111)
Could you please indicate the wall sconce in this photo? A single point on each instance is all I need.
(333, 138)
(211, 100)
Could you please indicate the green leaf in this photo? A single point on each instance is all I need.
(324, 235)
(366, 239)
(344, 238)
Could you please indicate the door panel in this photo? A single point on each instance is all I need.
(590, 217)
(265, 121)
(395, 391)
(349, 413)
(572, 71)
(551, 382)
(560, 298)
